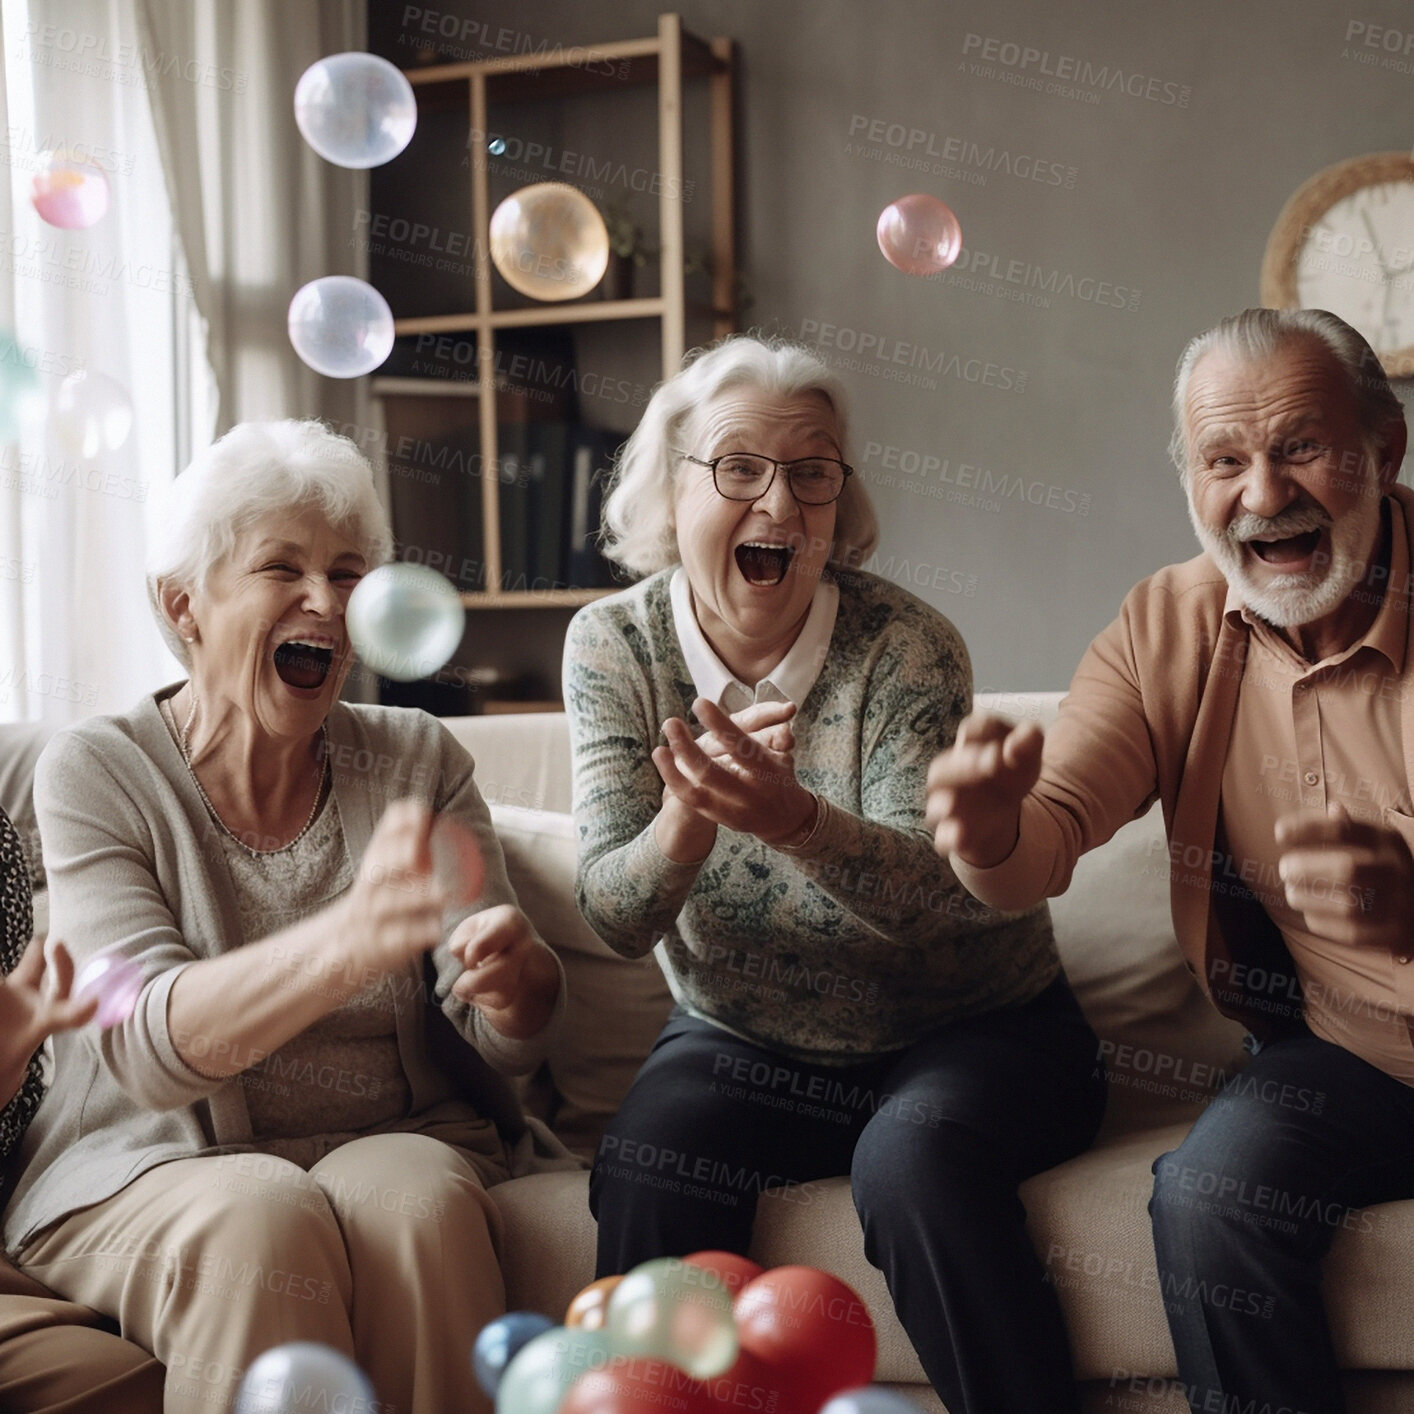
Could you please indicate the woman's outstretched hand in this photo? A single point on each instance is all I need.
(33, 1006)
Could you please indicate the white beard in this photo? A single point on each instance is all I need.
(1292, 600)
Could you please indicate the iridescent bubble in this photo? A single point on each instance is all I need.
(501, 1341)
(496, 147)
(676, 1312)
(405, 621)
(115, 980)
(549, 241)
(919, 234)
(91, 413)
(21, 397)
(69, 192)
(301, 1378)
(355, 109)
(341, 327)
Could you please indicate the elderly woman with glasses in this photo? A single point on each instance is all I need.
(291, 1136)
(752, 725)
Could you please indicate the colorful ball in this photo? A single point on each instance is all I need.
(501, 1341)
(871, 1399)
(539, 1376)
(731, 1270)
(590, 1309)
(675, 1312)
(638, 1385)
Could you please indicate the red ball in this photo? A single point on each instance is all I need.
(810, 1330)
(637, 1385)
(749, 1387)
(733, 1271)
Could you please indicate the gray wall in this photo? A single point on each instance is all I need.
(1147, 213)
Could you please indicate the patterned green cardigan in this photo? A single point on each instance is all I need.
(851, 949)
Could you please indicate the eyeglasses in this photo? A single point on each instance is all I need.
(745, 476)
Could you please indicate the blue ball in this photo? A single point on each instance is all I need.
(500, 1342)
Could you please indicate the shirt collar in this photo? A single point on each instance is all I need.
(789, 681)
(1389, 633)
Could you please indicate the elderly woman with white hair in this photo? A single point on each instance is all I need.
(292, 1135)
(844, 1007)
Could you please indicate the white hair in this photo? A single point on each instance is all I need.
(255, 470)
(639, 529)
(1259, 333)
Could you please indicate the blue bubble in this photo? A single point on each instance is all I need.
(496, 146)
(501, 1341)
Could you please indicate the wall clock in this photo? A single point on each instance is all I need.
(1345, 242)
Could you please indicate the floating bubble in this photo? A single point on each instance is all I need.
(871, 1399)
(405, 621)
(501, 1341)
(69, 192)
(355, 109)
(341, 327)
(496, 147)
(458, 864)
(676, 1312)
(21, 397)
(549, 241)
(115, 980)
(302, 1377)
(919, 234)
(91, 413)
(540, 1375)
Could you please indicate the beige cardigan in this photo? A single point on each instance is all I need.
(1150, 713)
(135, 862)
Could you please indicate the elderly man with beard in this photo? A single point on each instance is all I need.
(1262, 692)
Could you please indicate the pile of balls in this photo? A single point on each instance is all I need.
(706, 1334)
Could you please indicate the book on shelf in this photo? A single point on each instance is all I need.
(592, 458)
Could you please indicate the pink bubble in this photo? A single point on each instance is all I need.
(919, 234)
(115, 980)
(69, 193)
(457, 861)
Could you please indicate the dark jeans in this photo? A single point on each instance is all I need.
(935, 1140)
(1246, 1207)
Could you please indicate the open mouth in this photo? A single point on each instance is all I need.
(761, 563)
(303, 665)
(1291, 550)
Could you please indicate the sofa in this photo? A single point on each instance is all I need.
(1165, 1048)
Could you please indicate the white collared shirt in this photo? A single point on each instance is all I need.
(789, 681)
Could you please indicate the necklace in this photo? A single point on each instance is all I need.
(215, 814)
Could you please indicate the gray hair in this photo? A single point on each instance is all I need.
(256, 469)
(639, 529)
(1258, 333)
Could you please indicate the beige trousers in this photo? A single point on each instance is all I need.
(384, 1249)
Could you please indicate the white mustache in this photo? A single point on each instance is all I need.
(1295, 520)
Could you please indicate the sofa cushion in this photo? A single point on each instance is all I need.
(615, 1006)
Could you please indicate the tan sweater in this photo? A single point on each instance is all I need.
(134, 862)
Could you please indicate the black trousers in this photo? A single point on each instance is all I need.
(935, 1139)
(1292, 1151)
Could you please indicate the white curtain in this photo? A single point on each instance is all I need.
(219, 212)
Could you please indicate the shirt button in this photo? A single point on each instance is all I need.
(1311, 778)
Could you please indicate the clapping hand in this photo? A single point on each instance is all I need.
(976, 786)
(511, 976)
(33, 1007)
(740, 773)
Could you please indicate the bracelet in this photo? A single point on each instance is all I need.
(816, 825)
